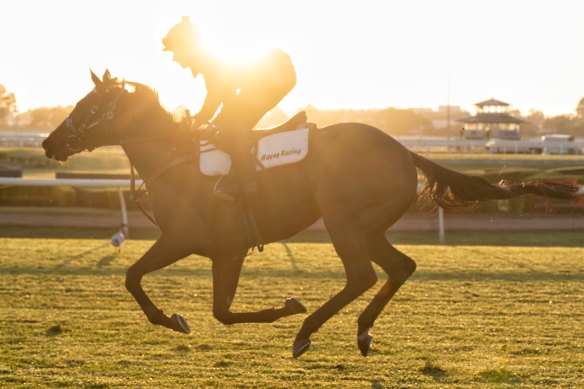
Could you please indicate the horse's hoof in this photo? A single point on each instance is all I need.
(364, 342)
(300, 347)
(295, 306)
(179, 324)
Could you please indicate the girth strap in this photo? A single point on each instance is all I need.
(249, 222)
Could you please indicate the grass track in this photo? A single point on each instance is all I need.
(472, 316)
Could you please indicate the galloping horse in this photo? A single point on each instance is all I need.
(357, 178)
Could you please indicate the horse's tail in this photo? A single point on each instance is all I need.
(449, 189)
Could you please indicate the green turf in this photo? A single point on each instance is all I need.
(507, 312)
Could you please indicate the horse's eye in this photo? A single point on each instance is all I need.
(94, 110)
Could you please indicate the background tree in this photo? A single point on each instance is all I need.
(7, 106)
(391, 120)
(533, 123)
(580, 109)
(568, 124)
(559, 124)
(43, 118)
(579, 120)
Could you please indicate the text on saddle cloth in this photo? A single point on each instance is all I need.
(273, 150)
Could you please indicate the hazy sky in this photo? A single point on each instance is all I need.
(348, 54)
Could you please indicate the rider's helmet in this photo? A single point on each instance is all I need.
(184, 34)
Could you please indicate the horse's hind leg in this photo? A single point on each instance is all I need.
(398, 267)
(226, 272)
(165, 251)
(350, 244)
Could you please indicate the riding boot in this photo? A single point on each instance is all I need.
(241, 178)
(246, 173)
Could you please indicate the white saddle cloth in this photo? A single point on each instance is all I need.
(273, 150)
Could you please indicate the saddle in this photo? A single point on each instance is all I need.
(284, 144)
(281, 145)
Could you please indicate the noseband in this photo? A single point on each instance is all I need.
(76, 142)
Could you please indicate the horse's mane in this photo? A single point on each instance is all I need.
(148, 98)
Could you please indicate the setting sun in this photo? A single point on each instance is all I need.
(372, 54)
(232, 48)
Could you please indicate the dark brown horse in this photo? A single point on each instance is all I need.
(357, 178)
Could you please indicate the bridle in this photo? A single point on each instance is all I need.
(76, 141)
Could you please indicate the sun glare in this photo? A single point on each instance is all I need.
(347, 54)
(233, 48)
(230, 43)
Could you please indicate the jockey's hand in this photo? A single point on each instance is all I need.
(208, 131)
(189, 122)
(198, 124)
(193, 124)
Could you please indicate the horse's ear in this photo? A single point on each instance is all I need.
(96, 81)
(107, 76)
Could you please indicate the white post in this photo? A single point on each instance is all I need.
(125, 228)
(441, 233)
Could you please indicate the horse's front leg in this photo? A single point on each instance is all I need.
(226, 272)
(166, 250)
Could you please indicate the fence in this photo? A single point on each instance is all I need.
(419, 143)
(80, 182)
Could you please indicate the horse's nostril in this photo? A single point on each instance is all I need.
(46, 147)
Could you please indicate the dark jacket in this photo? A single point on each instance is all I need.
(258, 86)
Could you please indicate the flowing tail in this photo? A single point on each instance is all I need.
(450, 189)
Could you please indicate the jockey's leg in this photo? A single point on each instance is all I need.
(235, 122)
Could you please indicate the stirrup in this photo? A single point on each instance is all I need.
(223, 194)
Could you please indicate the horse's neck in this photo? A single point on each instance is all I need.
(149, 153)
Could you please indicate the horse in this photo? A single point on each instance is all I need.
(358, 179)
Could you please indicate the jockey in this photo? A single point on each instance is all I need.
(244, 92)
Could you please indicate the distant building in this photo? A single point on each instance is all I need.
(492, 120)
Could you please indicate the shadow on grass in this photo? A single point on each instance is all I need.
(54, 330)
(82, 254)
(434, 371)
(74, 232)
(105, 261)
(537, 238)
(498, 376)
(420, 275)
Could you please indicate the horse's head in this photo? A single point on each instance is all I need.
(103, 117)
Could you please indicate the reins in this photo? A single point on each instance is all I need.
(104, 111)
(166, 163)
(135, 195)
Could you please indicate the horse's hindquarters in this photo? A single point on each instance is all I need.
(367, 178)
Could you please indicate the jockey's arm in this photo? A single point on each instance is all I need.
(209, 108)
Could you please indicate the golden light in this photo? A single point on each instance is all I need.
(231, 47)
(388, 54)
(229, 43)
